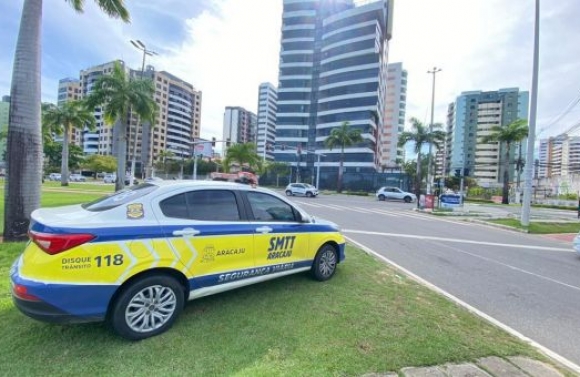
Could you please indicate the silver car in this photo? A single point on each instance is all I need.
(395, 193)
(301, 189)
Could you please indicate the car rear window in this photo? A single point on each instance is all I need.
(120, 198)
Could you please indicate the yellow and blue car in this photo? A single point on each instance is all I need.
(135, 257)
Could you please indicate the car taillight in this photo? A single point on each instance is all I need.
(21, 291)
(57, 243)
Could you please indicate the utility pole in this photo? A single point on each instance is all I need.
(529, 167)
(430, 161)
(140, 46)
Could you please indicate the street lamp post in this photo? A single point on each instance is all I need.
(529, 167)
(429, 167)
(318, 170)
(140, 46)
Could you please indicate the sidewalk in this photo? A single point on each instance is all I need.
(487, 367)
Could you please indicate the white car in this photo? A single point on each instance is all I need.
(54, 177)
(301, 189)
(77, 178)
(576, 243)
(133, 258)
(109, 178)
(395, 193)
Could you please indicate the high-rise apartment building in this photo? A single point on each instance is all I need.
(176, 126)
(333, 69)
(470, 119)
(69, 89)
(559, 156)
(266, 135)
(390, 155)
(239, 125)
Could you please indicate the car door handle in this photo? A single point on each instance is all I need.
(186, 232)
(264, 229)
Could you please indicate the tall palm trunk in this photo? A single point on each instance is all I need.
(418, 180)
(506, 176)
(340, 169)
(24, 145)
(64, 158)
(121, 142)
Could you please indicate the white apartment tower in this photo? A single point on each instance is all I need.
(266, 134)
(239, 125)
(390, 155)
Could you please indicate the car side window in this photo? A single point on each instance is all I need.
(213, 205)
(208, 205)
(269, 208)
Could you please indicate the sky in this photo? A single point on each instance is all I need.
(226, 48)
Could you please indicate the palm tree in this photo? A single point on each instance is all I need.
(421, 136)
(243, 154)
(342, 137)
(117, 94)
(164, 155)
(65, 119)
(24, 144)
(514, 132)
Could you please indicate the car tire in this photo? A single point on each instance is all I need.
(158, 295)
(382, 198)
(325, 262)
(288, 193)
(408, 199)
(309, 194)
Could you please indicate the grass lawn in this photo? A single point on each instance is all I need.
(368, 318)
(539, 227)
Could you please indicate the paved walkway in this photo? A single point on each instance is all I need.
(486, 367)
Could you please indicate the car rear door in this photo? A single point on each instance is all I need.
(207, 229)
(280, 238)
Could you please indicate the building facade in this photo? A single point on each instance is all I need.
(176, 127)
(69, 89)
(239, 125)
(4, 119)
(333, 69)
(559, 156)
(390, 155)
(266, 134)
(471, 118)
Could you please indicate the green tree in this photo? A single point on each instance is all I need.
(410, 168)
(53, 155)
(243, 154)
(98, 163)
(512, 133)
(421, 136)
(24, 142)
(343, 137)
(279, 168)
(64, 119)
(163, 158)
(116, 93)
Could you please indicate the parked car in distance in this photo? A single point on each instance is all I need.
(395, 193)
(576, 243)
(301, 189)
(152, 179)
(133, 258)
(54, 177)
(77, 178)
(109, 178)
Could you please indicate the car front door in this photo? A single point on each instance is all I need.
(299, 189)
(280, 239)
(206, 229)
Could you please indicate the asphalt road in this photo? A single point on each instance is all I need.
(531, 283)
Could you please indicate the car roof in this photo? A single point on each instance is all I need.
(175, 184)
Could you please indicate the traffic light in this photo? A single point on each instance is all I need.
(228, 142)
(213, 141)
(458, 173)
(466, 172)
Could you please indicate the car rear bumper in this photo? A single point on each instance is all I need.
(45, 312)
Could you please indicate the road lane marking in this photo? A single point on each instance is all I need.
(442, 239)
(469, 308)
(558, 282)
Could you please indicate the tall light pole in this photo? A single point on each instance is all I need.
(429, 167)
(140, 46)
(529, 168)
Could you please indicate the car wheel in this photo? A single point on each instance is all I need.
(325, 262)
(147, 307)
(408, 199)
(309, 194)
(288, 193)
(382, 198)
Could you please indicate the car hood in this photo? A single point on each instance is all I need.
(318, 220)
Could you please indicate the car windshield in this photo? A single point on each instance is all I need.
(120, 198)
